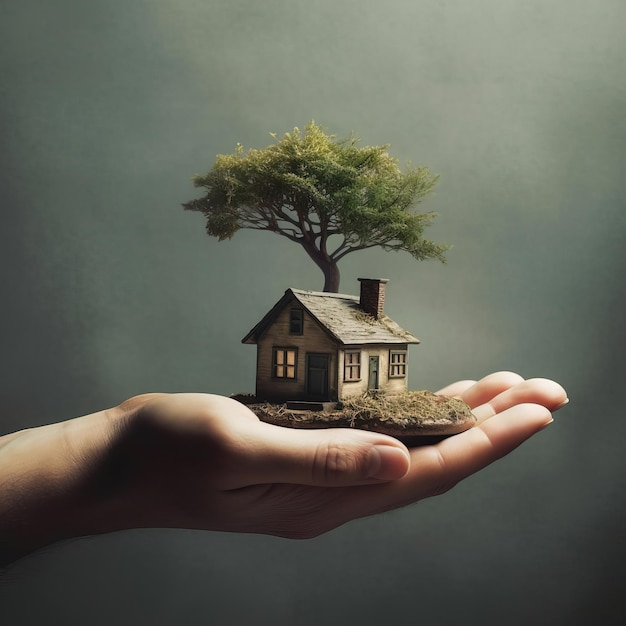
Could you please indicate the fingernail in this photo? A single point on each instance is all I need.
(560, 406)
(387, 463)
(547, 424)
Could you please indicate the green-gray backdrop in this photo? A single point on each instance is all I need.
(110, 289)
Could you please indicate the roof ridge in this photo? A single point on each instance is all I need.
(323, 294)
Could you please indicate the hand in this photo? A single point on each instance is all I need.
(207, 462)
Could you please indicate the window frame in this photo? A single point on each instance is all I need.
(276, 350)
(348, 367)
(398, 368)
(298, 319)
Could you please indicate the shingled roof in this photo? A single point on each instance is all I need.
(340, 316)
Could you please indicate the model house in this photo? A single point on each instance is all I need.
(318, 346)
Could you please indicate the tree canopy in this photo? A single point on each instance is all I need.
(331, 196)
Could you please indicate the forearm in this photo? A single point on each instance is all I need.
(46, 477)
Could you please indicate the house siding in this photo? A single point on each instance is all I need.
(313, 340)
(347, 389)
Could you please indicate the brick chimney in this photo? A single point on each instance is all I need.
(373, 296)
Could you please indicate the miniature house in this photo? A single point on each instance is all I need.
(318, 346)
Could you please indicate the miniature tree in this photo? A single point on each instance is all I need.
(330, 196)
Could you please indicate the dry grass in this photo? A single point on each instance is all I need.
(406, 407)
(410, 413)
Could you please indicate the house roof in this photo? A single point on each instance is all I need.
(340, 316)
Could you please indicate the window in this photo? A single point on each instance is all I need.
(284, 365)
(397, 364)
(352, 365)
(295, 322)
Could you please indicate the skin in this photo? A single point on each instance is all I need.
(206, 462)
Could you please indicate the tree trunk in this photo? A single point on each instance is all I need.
(331, 277)
(326, 264)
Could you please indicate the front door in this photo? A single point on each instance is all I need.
(372, 381)
(317, 375)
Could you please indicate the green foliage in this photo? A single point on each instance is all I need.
(309, 186)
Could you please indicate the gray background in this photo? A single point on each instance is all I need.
(109, 289)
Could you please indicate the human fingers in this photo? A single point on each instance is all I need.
(456, 389)
(322, 457)
(335, 457)
(488, 387)
(541, 391)
(436, 469)
(458, 457)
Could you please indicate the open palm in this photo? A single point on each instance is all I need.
(205, 461)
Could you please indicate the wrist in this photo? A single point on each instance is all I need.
(47, 483)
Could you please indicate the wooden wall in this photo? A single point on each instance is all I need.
(313, 340)
(389, 385)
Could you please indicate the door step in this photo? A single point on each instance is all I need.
(311, 406)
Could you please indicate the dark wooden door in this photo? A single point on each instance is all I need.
(317, 375)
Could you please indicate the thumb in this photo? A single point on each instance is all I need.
(324, 457)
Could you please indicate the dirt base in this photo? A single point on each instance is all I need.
(413, 417)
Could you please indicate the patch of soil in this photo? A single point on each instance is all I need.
(415, 417)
